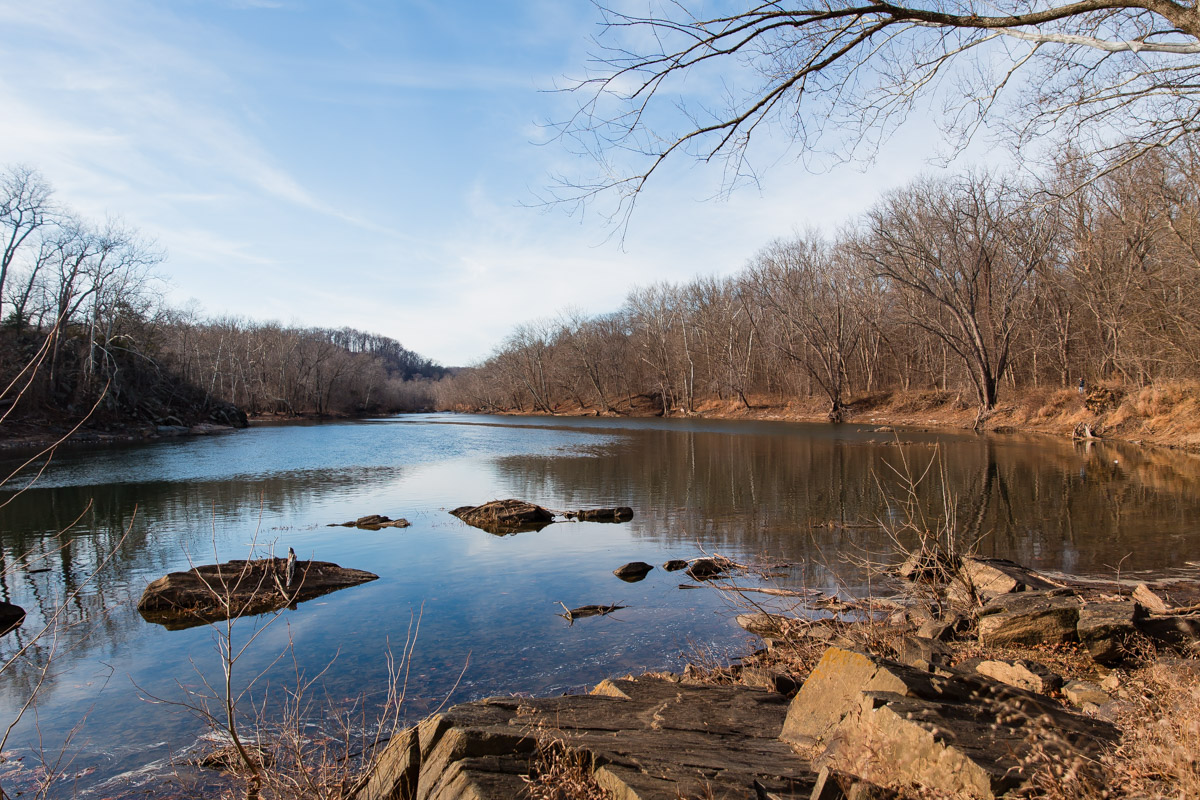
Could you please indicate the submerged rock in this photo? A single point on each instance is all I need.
(11, 617)
(216, 592)
(572, 614)
(505, 516)
(633, 571)
(620, 514)
(372, 522)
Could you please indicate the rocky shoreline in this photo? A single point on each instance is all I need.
(988, 680)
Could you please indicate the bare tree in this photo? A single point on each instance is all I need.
(842, 74)
(24, 208)
(806, 298)
(961, 252)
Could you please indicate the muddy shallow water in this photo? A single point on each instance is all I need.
(488, 605)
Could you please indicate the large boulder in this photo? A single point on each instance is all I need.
(964, 735)
(503, 517)
(216, 592)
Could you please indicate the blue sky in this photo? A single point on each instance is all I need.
(373, 164)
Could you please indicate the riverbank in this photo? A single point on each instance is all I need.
(988, 680)
(1164, 415)
(19, 438)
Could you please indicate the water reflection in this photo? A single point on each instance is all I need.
(816, 495)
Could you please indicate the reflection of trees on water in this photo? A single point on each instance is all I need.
(52, 539)
(1046, 503)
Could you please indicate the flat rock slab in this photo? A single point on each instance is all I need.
(502, 517)
(216, 592)
(649, 739)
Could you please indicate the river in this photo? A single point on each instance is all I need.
(813, 495)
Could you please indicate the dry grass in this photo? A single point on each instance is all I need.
(1040, 405)
(560, 772)
(1158, 755)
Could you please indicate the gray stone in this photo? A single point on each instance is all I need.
(1083, 692)
(633, 571)
(1149, 600)
(650, 739)
(1107, 630)
(619, 514)
(931, 566)
(944, 630)
(769, 626)
(1029, 618)
(1028, 675)
(926, 654)
(503, 517)
(895, 725)
(705, 569)
(992, 577)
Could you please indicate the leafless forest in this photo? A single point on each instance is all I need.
(976, 284)
(84, 332)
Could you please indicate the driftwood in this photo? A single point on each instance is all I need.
(371, 522)
(572, 614)
(758, 590)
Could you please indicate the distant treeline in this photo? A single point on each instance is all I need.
(84, 331)
(969, 284)
(264, 367)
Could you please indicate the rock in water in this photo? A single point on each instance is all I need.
(372, 522)
(705, 569)
(620, 514)
(505, 516)
(633, 571)
(240, 588)
(11, 617)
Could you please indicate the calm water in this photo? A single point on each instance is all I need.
(488, 604)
